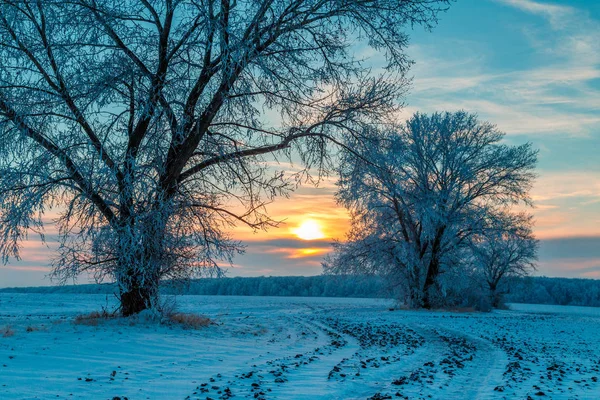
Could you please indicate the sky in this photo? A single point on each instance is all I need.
(530, 67)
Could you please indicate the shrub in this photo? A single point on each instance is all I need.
(7, 331)
(189, 321)
(31, 328)
(93, 318)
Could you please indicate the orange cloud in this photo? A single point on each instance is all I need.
(310, 252)
(567, 204)
(293, 253)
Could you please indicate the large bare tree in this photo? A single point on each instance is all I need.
(144, 122)
(419, 193)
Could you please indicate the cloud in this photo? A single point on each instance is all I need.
(571, 248)
(282, 256)
(528, 117)
(571, 268)
(290, 249)
(289, 243)
(553, 92)
(304, 253)
(583, 185)
(556, 14)
(29, 268)
(540, 101)
(567, 204)
(570, 257)
(577, 31)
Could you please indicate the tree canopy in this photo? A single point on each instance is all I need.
(419, 194)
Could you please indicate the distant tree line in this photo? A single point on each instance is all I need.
(301, 286)
(560, 291)
(532, 290)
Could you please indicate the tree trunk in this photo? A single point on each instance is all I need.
(141, 261)
(494, 295)
(138, 293)
(433, 270)
(138, 278)
(432, 273)
(137, 299)
(415, 300)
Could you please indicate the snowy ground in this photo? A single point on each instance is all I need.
(297, 348)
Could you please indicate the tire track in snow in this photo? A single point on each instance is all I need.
(447, 363)
(420, 376)
(312, 379)
(488, 365)
(274, 377)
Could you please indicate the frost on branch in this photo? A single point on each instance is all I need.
(430, 197)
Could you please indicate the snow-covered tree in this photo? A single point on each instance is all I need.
(418, 193)
(505, 248)
(149, 125)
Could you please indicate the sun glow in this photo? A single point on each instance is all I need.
(309, 230)
(309, 252)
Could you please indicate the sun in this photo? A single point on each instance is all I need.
(309, 230)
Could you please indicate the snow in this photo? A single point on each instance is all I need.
(297, 348)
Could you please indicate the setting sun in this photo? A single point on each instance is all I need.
(309, 230)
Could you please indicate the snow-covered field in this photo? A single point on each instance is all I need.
(297, 348)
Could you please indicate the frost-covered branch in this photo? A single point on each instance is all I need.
(428, 192)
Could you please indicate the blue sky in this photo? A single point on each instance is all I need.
(532, 68)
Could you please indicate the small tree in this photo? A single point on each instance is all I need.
(418, 194)
(148, 123)
(505, 249)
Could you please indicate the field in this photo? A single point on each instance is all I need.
(296, 348)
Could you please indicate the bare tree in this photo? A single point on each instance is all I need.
(506, 248)
(424, 190)
(149, 123)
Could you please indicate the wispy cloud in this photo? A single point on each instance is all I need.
(584, 185)
(573, 257)
(570, 268)
(556, 14)
(567, 204)
(578, 32)
(29, 268)
(291, 253)
(555, 95)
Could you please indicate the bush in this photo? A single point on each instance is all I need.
(7, 331)
(93, 318)
(189, 321)
(32, 328)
